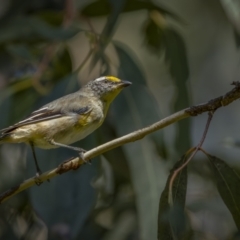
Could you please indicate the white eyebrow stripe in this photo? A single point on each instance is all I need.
(100, 79)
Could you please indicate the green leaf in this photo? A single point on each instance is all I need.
(97, 9)
(170, 41)
(237, 38)
(104, 7)
(70, 196)
(176, 57)
(108, 30)
(31, 30)
(59, 67)
(52, 17)
(129, 70)
(172, 222)
(132, 110)
(232, 10)
(21, 104)
(228, 182)
(153, 37)
(20, 50)
(160, 39)
(129, 65)
(116, 156)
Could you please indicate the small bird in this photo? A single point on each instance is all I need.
(67, 119)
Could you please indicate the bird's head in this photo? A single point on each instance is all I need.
(107, 87)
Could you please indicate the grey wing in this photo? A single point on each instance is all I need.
(48, 112)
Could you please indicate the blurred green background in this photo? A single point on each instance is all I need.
(176, 54)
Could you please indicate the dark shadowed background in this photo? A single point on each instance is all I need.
(176, 54)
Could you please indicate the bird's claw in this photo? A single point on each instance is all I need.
(37, 179)
(81, 156)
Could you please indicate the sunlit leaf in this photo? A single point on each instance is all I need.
(232, 9)
(228, 182)
(172, 222)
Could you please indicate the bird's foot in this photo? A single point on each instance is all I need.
(81, 156)
(37, 179)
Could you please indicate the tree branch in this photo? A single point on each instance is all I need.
(74, 163)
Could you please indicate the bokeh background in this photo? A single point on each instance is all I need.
(176, 54)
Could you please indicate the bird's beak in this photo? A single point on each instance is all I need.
(124, 83)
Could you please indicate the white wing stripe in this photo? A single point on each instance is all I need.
(40, 110)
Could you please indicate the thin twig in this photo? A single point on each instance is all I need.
(72, 164)
(175, 173)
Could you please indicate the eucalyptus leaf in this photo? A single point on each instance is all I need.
(176, 58)
(232, 10)
(168, 41)
(131, 70)
(171, 219)
(59, 67)
(70, 197)
(228, 182)
(32, 29)
(116, 157)
(108, 30)
(153, 37)
(21, 104)
(104, 7)
(52, 17)
(237, 38)
(132, 110)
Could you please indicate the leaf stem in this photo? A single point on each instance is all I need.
(194, 151)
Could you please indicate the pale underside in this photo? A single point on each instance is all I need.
(62, 130)
(46, 124)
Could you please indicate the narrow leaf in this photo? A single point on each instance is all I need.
(32, 29)
(228, 182)
(237, 38)
(133, 110)
(130, 69)
(171, 220)
(232, 10)
(103, 8)
(176, 57)
(108, 30)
